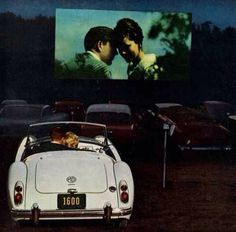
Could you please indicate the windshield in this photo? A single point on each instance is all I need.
(52, 136)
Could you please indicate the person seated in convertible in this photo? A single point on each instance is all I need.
(71, 140)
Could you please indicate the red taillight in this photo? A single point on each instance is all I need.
(124, 196)
(124, 193)
(18, 193)
(18, 198)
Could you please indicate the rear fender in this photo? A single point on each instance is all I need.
(122, 172)
(17, 172)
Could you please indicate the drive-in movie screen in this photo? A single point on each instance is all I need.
(122, 45)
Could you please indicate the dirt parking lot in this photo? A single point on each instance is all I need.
(200, 195)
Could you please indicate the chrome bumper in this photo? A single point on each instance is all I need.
(205, 148)
(54, 214)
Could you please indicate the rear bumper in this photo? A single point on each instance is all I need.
(69, 214)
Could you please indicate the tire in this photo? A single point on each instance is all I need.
(123, 223)
(19, 224)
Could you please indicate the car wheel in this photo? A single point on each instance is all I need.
(18, 224)
(123, 223)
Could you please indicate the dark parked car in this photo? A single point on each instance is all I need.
(194, 129)
(13, 102)
(117, 118)
(219, 110)
(72, 107)
(15, 118)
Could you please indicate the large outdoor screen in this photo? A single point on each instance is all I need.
(161, 52)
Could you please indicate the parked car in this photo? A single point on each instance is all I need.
(117, 118)
(72, 107)
(194, 129)
(167, 104)
(87, 182)
(12, 102)
(219, 110)
(15, 118)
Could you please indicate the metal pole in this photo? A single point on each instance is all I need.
(166, 129)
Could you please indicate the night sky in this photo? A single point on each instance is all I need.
(221, 13)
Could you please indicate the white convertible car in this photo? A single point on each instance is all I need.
(87, 182)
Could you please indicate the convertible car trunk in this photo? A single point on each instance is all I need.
(58, 174)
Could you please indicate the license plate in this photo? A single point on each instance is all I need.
(71, 201)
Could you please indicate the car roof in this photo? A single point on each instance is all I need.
(115, 108)
(167, 105)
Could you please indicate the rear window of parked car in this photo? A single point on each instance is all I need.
(108, 118)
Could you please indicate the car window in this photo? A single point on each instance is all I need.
(109, 118)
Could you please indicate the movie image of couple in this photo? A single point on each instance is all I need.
(126, 50)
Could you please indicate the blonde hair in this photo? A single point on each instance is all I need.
(71, 139)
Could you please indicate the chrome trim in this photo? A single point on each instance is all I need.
(205, 148)
(27, 214)
(71, 179)
(72, 190)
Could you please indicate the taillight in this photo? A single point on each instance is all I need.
(123, 187)
(18, 198)
(124, 193)
(124, 196)
(18, 188)
(18, 193)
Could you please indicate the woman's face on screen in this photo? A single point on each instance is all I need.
(129, 50)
